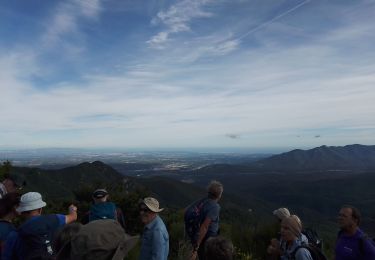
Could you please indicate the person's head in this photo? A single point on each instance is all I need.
(215, 190)
(103, 239)
(63, 238)
(100, 195)
(13, 183)
(148, 209)
(218, 248)
(281, 213)
(8, 205)
(31, 204)
(349, 217)
(291, 228)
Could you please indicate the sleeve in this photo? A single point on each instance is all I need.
(61, 218)
(158, 245)
(213, 212)
(369, 249)
(9, 246)
(303, 254)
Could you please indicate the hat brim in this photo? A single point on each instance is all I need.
(156, 210)
(38, 205)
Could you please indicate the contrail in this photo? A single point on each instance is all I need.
(273, 19)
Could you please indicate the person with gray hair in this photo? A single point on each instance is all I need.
(209, 211)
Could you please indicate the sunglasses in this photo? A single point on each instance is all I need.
(144, 209)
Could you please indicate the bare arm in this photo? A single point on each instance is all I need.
(72, 216)
(203, 230)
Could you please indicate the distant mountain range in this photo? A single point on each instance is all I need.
(350, 157)
(324, 158)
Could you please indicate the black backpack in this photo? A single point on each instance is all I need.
(35, 237)
(193, 219)
(315, 252)
(313, 237)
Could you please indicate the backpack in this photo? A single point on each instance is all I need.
(35, 237)
(313, 237)
(362, 241)
(315, 252)
(193, 219)
(103, 210)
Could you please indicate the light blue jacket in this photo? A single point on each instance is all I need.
(155, 241)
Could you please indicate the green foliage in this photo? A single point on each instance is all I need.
(5, 169)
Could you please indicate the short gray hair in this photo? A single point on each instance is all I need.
(215, 189)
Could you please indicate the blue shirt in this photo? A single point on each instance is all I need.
(301, 254)
(5, 229)
(13, 248)
(211, 210)
(155, 241)
(348, 247)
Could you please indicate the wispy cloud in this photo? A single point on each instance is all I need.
(66, 18)
(177, 19)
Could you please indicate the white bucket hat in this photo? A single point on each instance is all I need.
(152, 204)
(30, 201)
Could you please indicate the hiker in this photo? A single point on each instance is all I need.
(103, 209)
(352, 242)
(34, 237)
(278, 245)
(291, 228)
(155, 238)
(11, 183)
(103, 239)
(273, 249)
(8, 212)
(209, 211)
(218, 248)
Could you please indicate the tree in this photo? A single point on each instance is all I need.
(5, 169)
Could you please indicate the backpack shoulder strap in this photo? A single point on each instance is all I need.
(361, 243)
(314, 251)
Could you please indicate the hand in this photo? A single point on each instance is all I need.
(72, 208)
(194, 255)
(275, 243)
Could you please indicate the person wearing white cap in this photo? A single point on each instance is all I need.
(34, 236)
(155, 238)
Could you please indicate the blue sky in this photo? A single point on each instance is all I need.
(179, 74)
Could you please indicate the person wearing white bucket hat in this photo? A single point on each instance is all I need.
(34, 236)
(155, 239)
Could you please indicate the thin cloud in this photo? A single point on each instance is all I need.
(177, 19)
(65, 19)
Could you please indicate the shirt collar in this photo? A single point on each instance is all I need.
(152, 223)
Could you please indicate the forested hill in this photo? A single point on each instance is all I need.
(63, 182)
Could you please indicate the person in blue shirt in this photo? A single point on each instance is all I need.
(8, 212)
(155, 238)
(34, 237)
(209, 227)
(291, 228)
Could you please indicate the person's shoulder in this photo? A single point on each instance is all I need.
(302, 253)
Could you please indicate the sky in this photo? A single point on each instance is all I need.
(147, 74)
